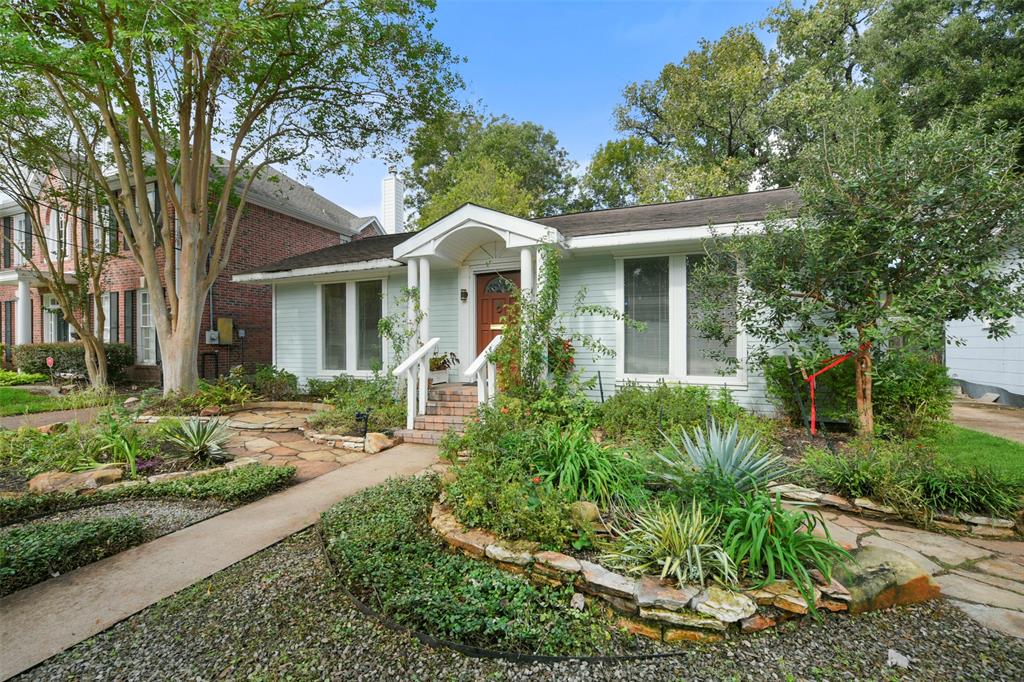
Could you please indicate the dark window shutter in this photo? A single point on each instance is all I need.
(8, 237)
(90, 312)
(129, 319)
(115, 317)
(28, 239)
(8, 329)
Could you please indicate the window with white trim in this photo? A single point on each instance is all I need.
(656, 291)
(146, 354)
(350, 313)
(55, 327)
(23, 239)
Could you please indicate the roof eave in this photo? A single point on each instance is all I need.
(298, 274)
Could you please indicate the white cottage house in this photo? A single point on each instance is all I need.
(327, 303)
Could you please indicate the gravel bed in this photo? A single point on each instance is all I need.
(159, 516)
(276, 616)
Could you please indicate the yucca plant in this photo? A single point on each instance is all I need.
(767, 541)
(724, 455)
(666, 541)
(199, 440)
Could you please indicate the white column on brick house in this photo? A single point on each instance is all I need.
(23, 314)
(424, 328)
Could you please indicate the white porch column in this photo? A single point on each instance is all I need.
(23, 314)
(526, 259)
(424, 329)
(412, 282)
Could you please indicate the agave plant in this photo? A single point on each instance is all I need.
(664, 540)
(198, 439)
(723, 454)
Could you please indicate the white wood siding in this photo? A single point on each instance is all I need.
(984, 361)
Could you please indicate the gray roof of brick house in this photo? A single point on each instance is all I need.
(355, 251)
(726, 210)
(693, 213)
(275, 189)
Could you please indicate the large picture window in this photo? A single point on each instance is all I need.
(704, 356)
(334, 326)
(369, 342)
(645, 301)
(351, 313)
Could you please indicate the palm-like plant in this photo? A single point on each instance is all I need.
(198, 439)
(723, 454)
(665, 540)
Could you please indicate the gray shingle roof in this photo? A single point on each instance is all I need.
(692, 213)
(276, 189)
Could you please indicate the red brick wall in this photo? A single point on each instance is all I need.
(265, 236)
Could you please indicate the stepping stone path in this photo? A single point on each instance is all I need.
(984, 578)
(273, 436)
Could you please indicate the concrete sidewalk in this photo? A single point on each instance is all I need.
(83, 416)
(40, 621)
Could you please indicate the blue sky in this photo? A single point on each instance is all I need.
(560, 63)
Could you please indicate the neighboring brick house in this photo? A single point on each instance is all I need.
(282, 218)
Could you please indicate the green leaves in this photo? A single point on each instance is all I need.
(722, 455)
(199, 439)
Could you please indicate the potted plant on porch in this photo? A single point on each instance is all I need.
(439, 366)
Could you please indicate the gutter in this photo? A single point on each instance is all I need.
(317, 271)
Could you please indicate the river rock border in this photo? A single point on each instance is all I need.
(647, 607)
(973, 524)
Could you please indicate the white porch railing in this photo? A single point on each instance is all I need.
(485, 373)
(414, 368)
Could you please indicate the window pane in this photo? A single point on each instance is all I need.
(368, 295)
(334, 326)
(699, 348)
(646, 300)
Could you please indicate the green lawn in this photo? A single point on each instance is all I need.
(974, 448)
(19, 401)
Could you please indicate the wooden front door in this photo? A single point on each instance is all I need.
(494, 293)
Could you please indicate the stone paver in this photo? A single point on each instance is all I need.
(983, 578)
(49, 617)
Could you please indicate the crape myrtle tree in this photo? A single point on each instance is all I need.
(897, 233)
(61, 240)
(201, 97)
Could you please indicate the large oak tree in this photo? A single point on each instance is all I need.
(202, 96)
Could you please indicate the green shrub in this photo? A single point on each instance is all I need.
(910, 392)
(36, 552)
(909, 477)
(69, 358)
(768, 542)
(31, 452)
(662, 540)
(8, 378)
(199, 440)
(581, 469)
(223, 392)
(638, 415)
(386, 554)
(272, 383)
(348, 395)
(235, 487)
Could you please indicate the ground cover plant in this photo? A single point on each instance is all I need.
(386, 554)
(36, 552)
(348, 396)
(234, 487)
(913, 479)
(9, 378)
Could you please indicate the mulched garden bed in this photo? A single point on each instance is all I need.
(276, 615)
(159, 517)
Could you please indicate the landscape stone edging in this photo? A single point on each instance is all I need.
(371, 444)
(974, 524)
(647, 606)
(87, 484)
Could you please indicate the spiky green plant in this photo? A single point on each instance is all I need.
(666, 541)
(767, 541)
(199, 440)
(722, 454)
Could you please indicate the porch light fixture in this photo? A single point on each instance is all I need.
(463, 295)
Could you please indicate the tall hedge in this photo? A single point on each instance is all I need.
(69, 358)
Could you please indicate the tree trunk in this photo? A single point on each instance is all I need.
(862, 385)
(179, 362)
(95, 361)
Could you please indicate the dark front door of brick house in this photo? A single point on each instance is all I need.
(494, 293)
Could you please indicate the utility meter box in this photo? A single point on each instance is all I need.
(212, 337)
(225, 329)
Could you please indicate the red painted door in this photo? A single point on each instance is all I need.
(494, 293)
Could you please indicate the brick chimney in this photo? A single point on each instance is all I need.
(392, 204)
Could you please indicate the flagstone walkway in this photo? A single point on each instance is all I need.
(983, 578)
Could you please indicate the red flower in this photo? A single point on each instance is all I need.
(536, 480)
(504, 410)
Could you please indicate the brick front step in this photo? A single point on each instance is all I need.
(452, 398)
(451, 409)
(422, 437)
